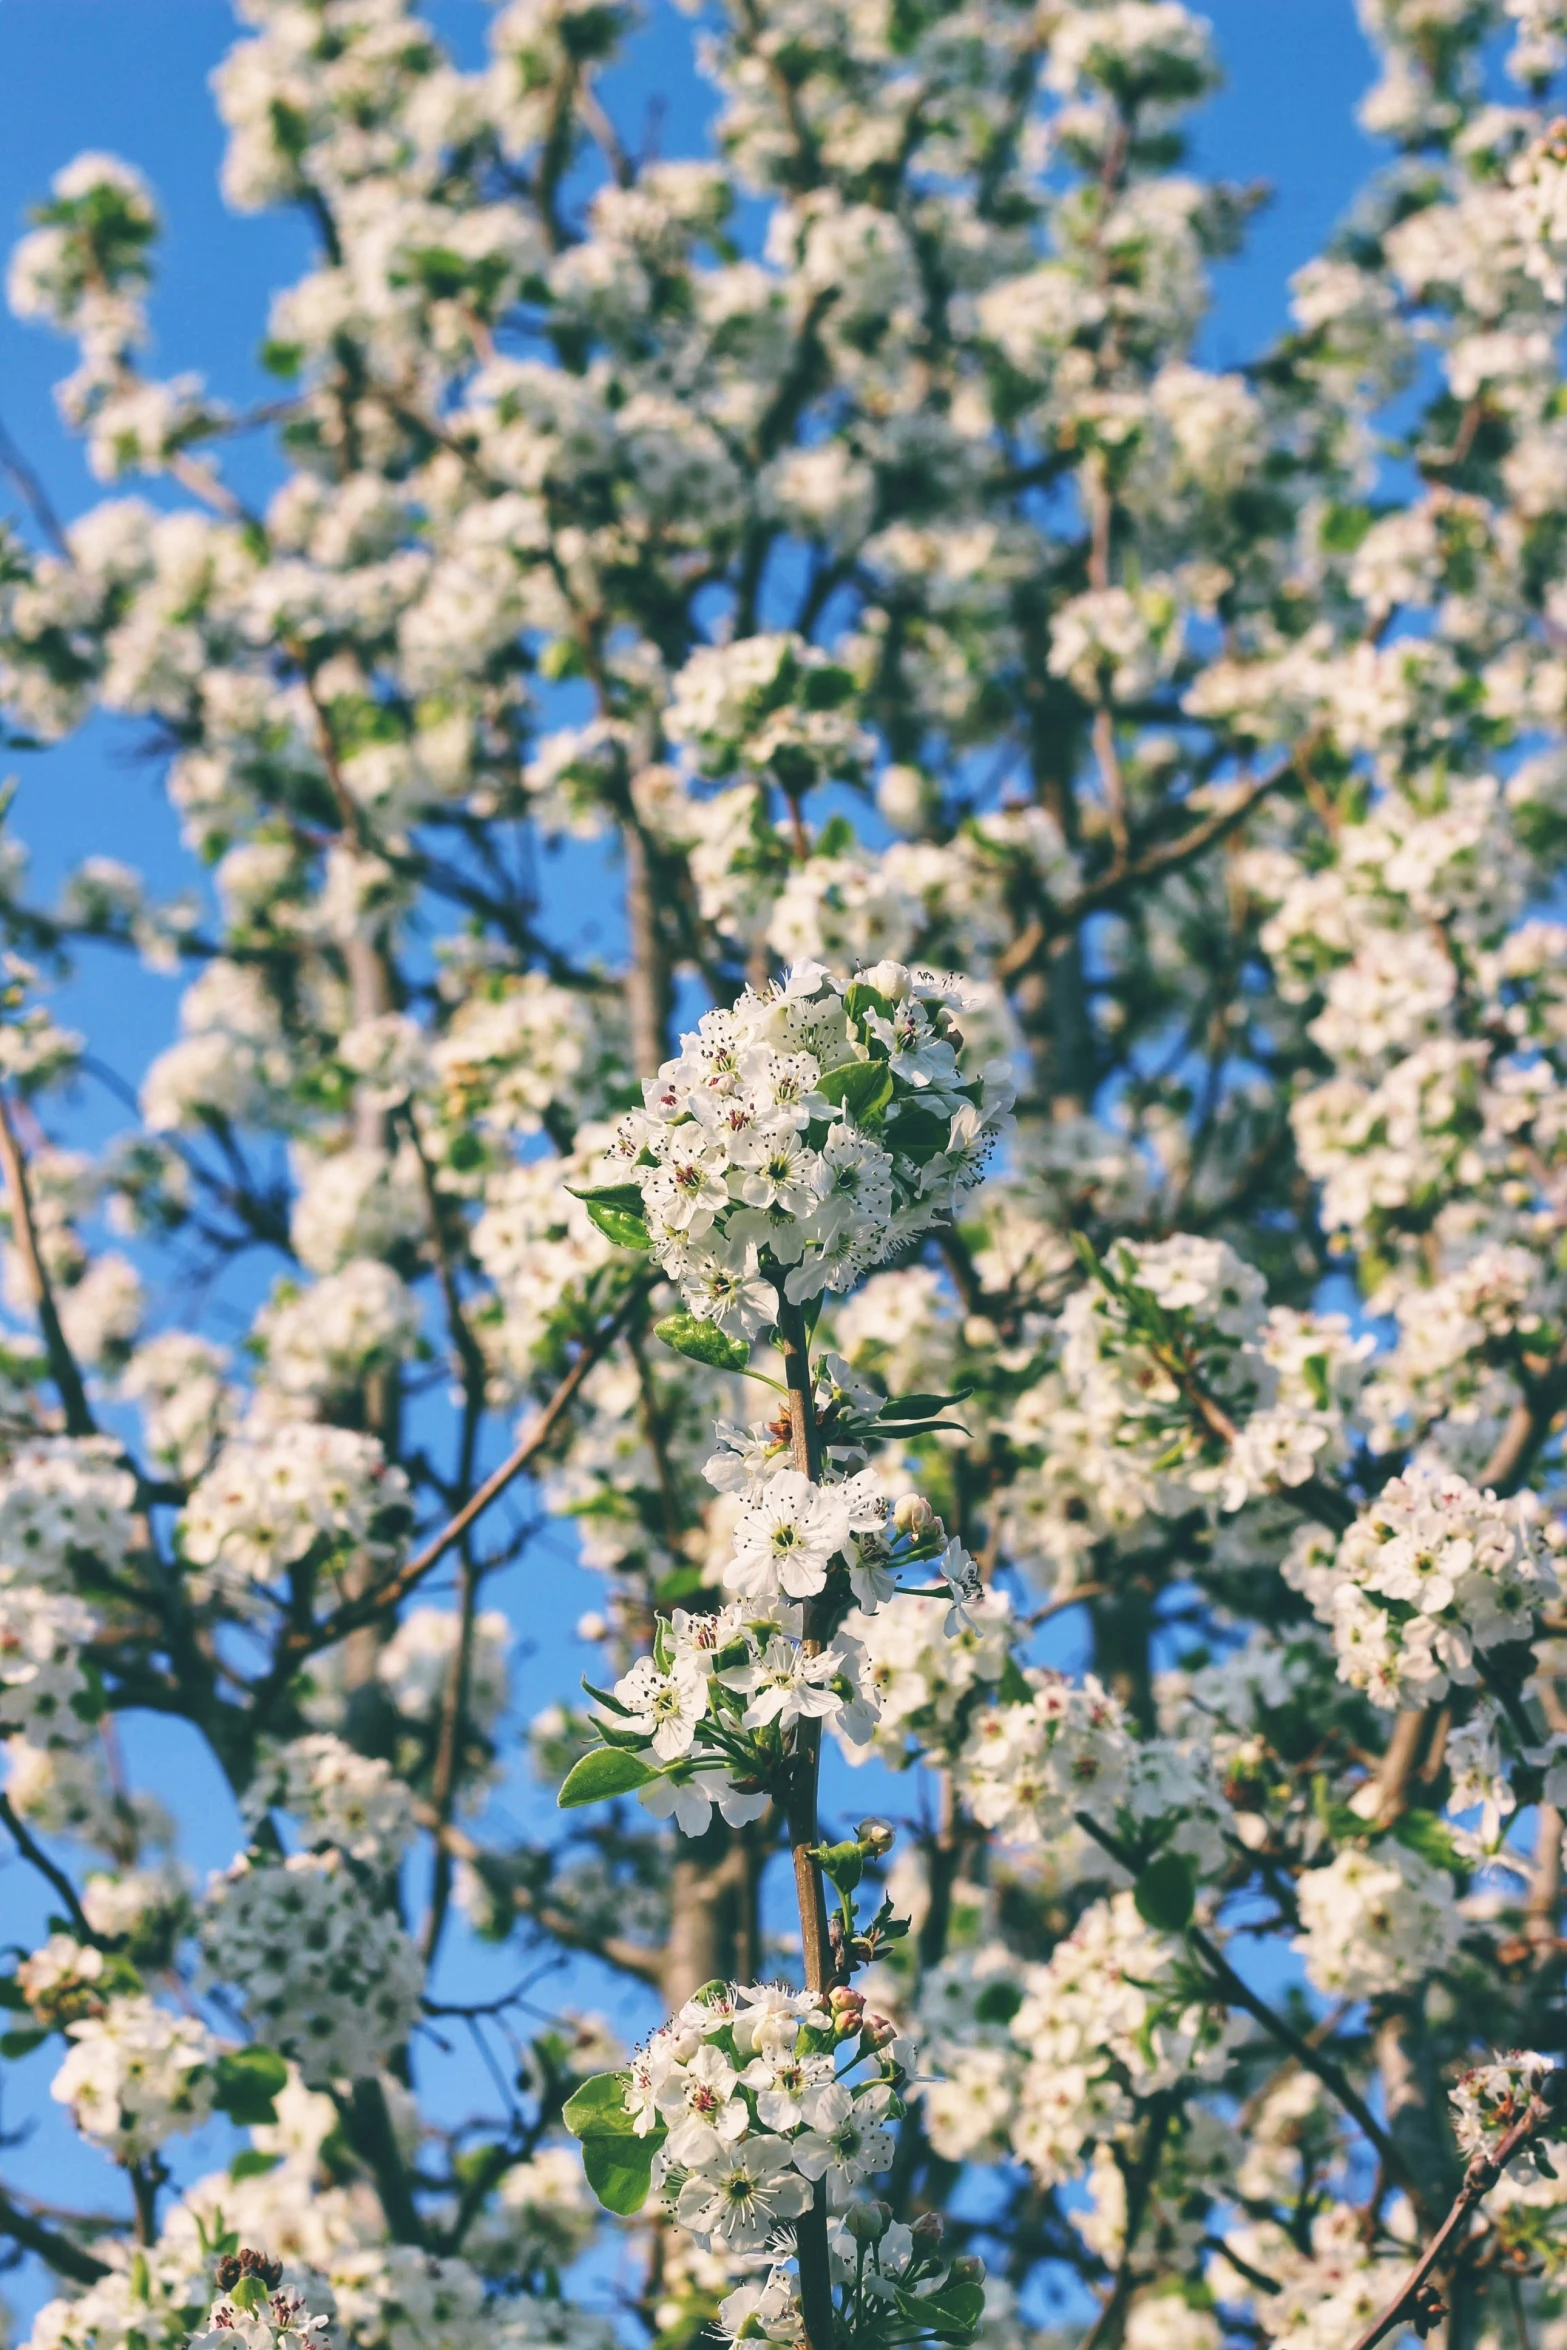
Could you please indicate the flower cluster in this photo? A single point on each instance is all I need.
(1173, 1356)
(1110, 2018)
(353, 1802)
(1491, 2100)
(270, 1502)
(711, 1709)
(753, 2093)
(135, 2076)
(271, 2318)
(63, 1497)
(925, 1675)
(1432, 1572)
(324, 1975)
(45, 1690)
(1027, 1768)
(1376, 1921)
(805, 1134)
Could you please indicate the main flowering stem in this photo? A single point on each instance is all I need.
(804, 1834)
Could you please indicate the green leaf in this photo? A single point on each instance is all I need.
(1087, 1255)
(952, 2315)
(679, 1585)
(22, 2043)
(998, 2003)
(248, 2079)
(624, 1226)
(1012, 1688)
(922, 1407)
(702, 1342)
(617, 2162)
(604, 1697)
(901, 1428)
(620, 2172)
(253, 2164)
(609, 1195)
(1423, 1832)
(863, 998)
(862, 1088)
(607, 1771)
(598, 2107)
(1336, 1819)
(1166, 1892)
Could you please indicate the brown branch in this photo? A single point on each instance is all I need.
(63, 1368)
(454, 1703)
(616, 1950)
(64, 2257)
(1106, 2327)
(367, 2125)
(1481, 2176)
(369, 1605)
(34, 496)
(1239, 1993)
(1528, 1425)
(36, 1857)
(1152, 864)
(810, 2236)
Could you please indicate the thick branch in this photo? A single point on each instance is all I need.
(64, 2257)
(816, 2306)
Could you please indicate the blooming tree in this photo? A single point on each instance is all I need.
(1035, 1269)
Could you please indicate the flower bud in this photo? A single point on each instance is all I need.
(969, 2269)
(877, 1836)
(867, 2223)
(914, 1516)
(879, 2033)
(928, 2230)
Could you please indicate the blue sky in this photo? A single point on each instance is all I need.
(131, 76)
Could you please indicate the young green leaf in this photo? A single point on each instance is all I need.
(620, 2172)
(598, 2107)
(626, 1227)
(1166, 1892)
(862, 1088)
(247, 2081)
(702, 1342)
(618, 2163)
(607, 1771)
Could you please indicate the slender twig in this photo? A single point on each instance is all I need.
(62, 1363)
(36, 1857)
(33, 494)
(367, 1606)
(1481, 2176)
(617, 1950)
(1239, 1993)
